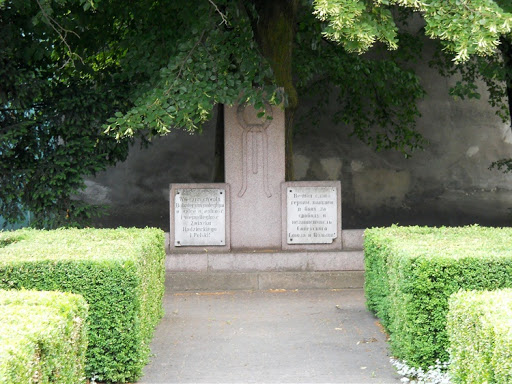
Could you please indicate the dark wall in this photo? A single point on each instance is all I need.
(448, 183)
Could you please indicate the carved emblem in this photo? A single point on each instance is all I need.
(254, 128)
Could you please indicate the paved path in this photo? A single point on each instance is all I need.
(312, 336)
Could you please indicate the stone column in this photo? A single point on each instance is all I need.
(255, 169)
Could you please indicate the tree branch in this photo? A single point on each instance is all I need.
(252, 20)
(223, 16)
(184, 62)
(59, 29)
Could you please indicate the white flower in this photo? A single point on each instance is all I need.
(434, 375)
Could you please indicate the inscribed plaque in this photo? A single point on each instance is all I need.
(199, 217)
(312, 214)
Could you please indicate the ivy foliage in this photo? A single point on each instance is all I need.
(51, 113)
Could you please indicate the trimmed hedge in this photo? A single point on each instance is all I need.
(480, 332)
(412, 271)
(119, 272)
(42, 337)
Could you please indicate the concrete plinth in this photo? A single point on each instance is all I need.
(253, 270)
(266, 261)
(253, 281)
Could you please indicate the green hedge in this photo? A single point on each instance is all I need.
(119, 272)
(411, 272)
(480, 333)
(42, 337)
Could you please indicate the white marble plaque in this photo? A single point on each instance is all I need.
(312, 214)
(199, 217)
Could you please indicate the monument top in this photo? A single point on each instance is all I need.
(254, 168)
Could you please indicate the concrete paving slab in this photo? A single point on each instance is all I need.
(193, 262)
(311, 336)
(237, 262)
(343, 261)
(215, 281)
(193, 281)
(310, 280)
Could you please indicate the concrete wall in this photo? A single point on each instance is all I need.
(446, 184)
(137, 191)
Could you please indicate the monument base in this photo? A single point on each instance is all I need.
(253, 270)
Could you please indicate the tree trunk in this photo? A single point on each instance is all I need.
(218, 166)
(275, 32)
(506, 51)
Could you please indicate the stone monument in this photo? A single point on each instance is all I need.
(256, 221)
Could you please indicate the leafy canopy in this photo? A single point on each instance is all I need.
(466, 26)
(81, 79)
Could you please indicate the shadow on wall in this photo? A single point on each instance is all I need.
(448, 183)
(136, 192)
(439, 186)
(421, 216)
